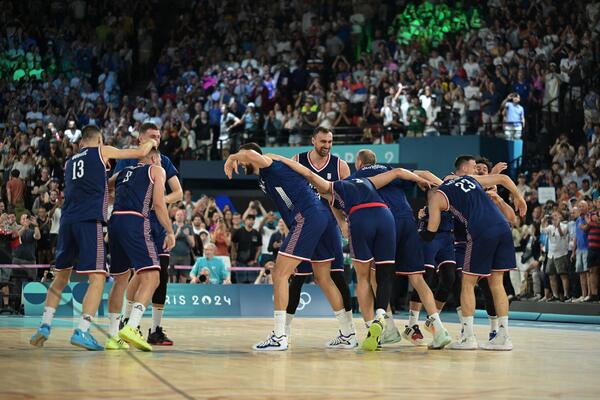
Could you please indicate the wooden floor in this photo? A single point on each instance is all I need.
(212, 359)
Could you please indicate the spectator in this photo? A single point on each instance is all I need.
(218, 274)
(473, 98)
(580, 252)
(246, 244)
(221, 237)
(264, 276)
(200, 235)
(44, 246)
(514, 117)
(558, 263)
(15, 190)
(29, 234)
(490, 103)
(184, 243)
(267, 227)
(72, 133)
(417, 118)
(277, 238)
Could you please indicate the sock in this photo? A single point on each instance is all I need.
(368, 323)
(113, 324)
(350, 318)
(288, 324)
(85, 322)
(460, 317)
(389, 321)
(493, 324)
(48, 315)
(437, 323)
(503, 324)
(279, 317)
(128, 308)
(345, 326)
(137, 311)
(468, 326)
(156, 318)
(380, 314)
(413, 317)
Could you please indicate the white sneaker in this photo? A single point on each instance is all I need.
(273, 343)
(464, 343)
(537, 297)
(391, 334)
(586, 298)
(579, 299)
(499, 343)
(343, 342)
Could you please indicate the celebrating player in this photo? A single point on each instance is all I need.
(84, 212)
(311, 226)
(138, 189)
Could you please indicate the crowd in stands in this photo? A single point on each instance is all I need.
(230, 71)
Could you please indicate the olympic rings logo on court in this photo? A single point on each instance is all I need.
(305, 300)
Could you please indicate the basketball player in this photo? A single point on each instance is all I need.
(311, 226)
(156, 334)
(331, 168)
(372, 237)
(489, 250)
(84, 212)
(409, 255)
(138, 190)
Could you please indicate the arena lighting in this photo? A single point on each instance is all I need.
(428, 24)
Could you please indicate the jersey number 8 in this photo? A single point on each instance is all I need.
(78, 170)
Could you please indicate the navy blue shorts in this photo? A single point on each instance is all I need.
(373, 235)
(439, 251)
(332, 239)
(82, 242)
(131, 244)
(158, 234)
(409, 251)
(492, 250)
(310, 237)
(459, 254)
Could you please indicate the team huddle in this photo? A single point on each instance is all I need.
(464, 227)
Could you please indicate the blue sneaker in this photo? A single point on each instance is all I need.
(85, 340)
(493, 335)
(40, 336)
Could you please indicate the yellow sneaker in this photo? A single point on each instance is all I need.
(371, 342)
(135, 338)
(116, 343)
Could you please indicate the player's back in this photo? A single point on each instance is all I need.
(469, 204)
(289, 190)
(86, 187)
(133, 190)
(393, 194)
(353, 192)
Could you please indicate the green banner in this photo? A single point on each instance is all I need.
(386, 153)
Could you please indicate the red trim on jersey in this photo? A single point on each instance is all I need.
(150, 173)
(367, 205)
(137, 214)
(446, 198)
(314, 166)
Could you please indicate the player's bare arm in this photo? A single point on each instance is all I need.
(160, 207)
(323, 186)
(381, 180)
(431, 177)
(504, 180)
(504, 208)
(437, 204)
(176, 191)
(109, 152)
(245, 157)
(341, 220)
(344, 169)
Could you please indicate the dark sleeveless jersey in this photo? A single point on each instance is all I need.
(86, 187)
(352, 192)
(329, 171)
(133, 190)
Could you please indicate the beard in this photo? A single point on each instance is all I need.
(323, 151)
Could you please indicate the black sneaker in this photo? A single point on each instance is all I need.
(158, 338)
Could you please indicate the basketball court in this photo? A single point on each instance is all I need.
(212, 359)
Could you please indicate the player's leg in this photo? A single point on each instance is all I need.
(65, 256)
(157, 335)
(295, 290)
(365, 298)
(391, 334)
(433, 323)
(446, 276)
(490, 308)
(339, 278)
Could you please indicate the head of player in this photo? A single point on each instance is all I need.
(322, 140)
(147, 131)
(364, 158)
(250, 167)
(483, 166)
(91, 136)
(153, 157)
(465, 165)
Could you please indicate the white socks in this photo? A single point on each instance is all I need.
(156, 318)
(344, 323)
(128, 307)
(437, 323)
(503, 325)
(493, 324)
(280, 317)
(48, 315)
(350, 318)
(459, 313)
(113, 324)
(288, 324)
(467, 326)
(85, 322)
(137, 311)
(413, 318)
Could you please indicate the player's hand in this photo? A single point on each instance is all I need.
(520, 206)
(154, 143)
(169, 242)
(231, 165)
(423, 184)
(421, 213)
(498, 168)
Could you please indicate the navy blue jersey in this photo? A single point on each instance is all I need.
(330, 171)
(446, 222)
(165, 162)
(393, 193)
(289, 190)
(352, 192)
(133, 190)
(86, 187)
(469, 204)
(460, 231)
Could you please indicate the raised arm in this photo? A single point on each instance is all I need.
(504, 180)
(381, 180)
(504, 208)
(429, 176)
(109, 152)
(160, 207)
(322, 185)
(245, 157)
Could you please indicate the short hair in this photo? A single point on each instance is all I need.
(483, 160)
(210, 245)
(89, 132)
(146, 126)
(367, 157)
(251, 146)
(15, 173)
(321, 129)
(460, 160)
(152, 152)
